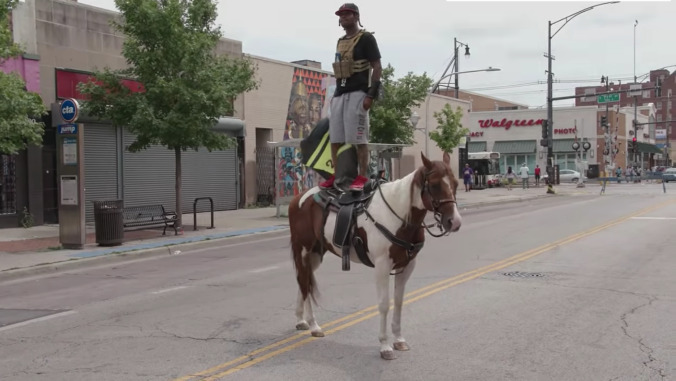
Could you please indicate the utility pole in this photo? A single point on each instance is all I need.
(550, 111)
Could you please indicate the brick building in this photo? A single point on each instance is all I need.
(664, 104)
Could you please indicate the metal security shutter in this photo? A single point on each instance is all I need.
(100, 166)
(148, 175)
(210, 174)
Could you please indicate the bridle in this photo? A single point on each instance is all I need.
(436, 204)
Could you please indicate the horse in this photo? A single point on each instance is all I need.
(392, 229)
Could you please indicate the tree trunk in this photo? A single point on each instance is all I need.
(179, 213)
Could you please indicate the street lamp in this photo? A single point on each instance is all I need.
(434, 88)
(414, 119)
(550, 123)
(457, 44)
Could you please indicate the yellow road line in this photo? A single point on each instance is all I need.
(421, 293)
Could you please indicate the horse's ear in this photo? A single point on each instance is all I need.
(447, 158)
(426, 162)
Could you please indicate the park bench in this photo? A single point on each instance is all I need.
(149, 215)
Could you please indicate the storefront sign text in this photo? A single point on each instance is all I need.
(565, 130)
(476, 134)
(507, 124)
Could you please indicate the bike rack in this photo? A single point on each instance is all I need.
(194, 211)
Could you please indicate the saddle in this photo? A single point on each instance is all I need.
(347, 205)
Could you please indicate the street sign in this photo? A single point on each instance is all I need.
(608, 98)
(635, 90)
(69, 110)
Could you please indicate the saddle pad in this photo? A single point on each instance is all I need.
(343, 224)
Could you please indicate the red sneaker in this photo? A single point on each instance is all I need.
(328, 183)
(358, 183)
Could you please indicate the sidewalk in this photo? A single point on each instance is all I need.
(35, 250)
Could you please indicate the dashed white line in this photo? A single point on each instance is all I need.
(263, 269)
(169, 289)
(36, 320)
(653, 218)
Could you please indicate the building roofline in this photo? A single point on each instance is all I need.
(271, 60)
(492, 98)
(565, 108)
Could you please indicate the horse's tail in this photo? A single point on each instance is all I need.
(304, 274)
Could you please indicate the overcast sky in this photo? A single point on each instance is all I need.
(417, 36)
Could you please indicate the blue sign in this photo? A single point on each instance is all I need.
(67, 129)
(69, 110)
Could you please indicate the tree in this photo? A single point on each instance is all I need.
(449, 129)
(389, 117)
(170, 49)
(17, 105)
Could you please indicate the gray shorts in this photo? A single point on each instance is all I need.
(349, 122)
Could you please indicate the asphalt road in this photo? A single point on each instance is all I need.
(567, 288)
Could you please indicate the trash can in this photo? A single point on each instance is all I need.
(108, 222)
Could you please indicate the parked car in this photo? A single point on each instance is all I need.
(567, 175)
(669, 174)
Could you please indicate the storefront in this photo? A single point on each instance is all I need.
(516, 135)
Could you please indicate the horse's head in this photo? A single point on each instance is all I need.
(439, 187)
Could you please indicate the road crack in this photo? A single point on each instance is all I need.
(643, 346)
(210, 338)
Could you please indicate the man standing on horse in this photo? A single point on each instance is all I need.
(357, 70)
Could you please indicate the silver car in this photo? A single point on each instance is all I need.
(669, 174)
(567, 175)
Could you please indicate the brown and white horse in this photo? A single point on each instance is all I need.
(400, 207)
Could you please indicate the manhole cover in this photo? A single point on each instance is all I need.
(520, 274)
(14, 316)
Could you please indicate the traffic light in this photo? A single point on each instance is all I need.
(604, 121)
(545, 133)
(633, 145)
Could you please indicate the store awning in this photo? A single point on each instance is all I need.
(514, 146)
(564, 145)
(648, 148)
(477, 147)
(231, 126)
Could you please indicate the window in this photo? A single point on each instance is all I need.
(7, 184)
(516, 160)
(659, 117)
(659, 105)
(646, 94)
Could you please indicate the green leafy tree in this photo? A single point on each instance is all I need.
(170, 49)
(17, 105)
(449, 129)
(389, 117)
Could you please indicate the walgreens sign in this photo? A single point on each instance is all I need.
(508, 123)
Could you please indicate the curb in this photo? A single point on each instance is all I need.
(92, 258)
(141, 251)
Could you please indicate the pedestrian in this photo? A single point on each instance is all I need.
(511, 176)
(467, 174)
(618, 174)
(523, 171)
(537, 176)
(357, 70)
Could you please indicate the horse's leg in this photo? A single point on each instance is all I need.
(399, 288)
(382, 273)
(301, 324)
(314, 260)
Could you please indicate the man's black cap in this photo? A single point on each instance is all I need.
(348, 7)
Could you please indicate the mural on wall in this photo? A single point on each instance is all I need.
(308, 103)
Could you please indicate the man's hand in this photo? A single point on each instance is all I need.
(368, 101)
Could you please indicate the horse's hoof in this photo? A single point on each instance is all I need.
(388, 355)
(303, 326)
(401, 346)
(318, 334)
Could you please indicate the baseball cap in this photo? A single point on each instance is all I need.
(348, 7)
